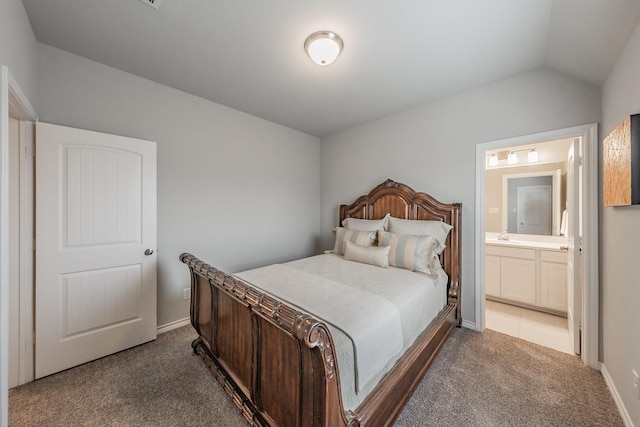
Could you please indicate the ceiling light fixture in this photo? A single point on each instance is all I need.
(323, 47)
(153, 3)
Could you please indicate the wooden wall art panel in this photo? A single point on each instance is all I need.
(621, 163)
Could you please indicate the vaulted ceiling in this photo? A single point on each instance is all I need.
(248, 54)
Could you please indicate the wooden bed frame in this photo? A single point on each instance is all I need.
(279, 366)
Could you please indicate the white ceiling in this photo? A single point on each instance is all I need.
(249, 55)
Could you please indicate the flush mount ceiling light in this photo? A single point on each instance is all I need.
(323, 47)
(153, 3)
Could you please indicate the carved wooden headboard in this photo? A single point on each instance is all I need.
(401, 201)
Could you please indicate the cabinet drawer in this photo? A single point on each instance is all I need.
(554, 256)
(511, 252)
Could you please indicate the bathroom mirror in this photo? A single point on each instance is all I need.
(531, 203)
(522, 201)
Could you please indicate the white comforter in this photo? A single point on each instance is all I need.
(417, 297)
(365, 317)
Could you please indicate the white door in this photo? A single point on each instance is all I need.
(95, 218)
(534, 209)
(574, 237)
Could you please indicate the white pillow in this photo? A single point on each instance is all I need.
(366, 224)
(437, 229)
(415, 253)
(364, 238)
(374, 255)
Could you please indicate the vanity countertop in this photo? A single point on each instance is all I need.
(527, 244)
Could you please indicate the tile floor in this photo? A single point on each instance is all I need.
(530, 325)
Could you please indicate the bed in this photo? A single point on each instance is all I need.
(279, 364)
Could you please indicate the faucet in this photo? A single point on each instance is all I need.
(503, 235)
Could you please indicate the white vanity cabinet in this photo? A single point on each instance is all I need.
(516, 278)
(528, 276)
(492, 275)
(553, 280)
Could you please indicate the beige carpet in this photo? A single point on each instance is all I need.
(485, 379)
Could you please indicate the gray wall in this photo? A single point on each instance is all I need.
(432, 147)
(216, 164)
(233, 189)
(18, 47)
(620, 248)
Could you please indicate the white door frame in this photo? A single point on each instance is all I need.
(590, 274)
(13, 99)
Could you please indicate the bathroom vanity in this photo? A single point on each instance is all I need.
(529, 274)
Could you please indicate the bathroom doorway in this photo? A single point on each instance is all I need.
(526, 252)
(528, 263)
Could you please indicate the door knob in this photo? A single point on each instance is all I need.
(148, 252)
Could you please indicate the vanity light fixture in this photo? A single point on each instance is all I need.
(494, 159)
(511, 157)
(323, 47)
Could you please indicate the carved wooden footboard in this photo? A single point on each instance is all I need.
(278, 364)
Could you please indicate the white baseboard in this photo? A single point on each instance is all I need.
(469, 325)
(616, 397)
(173, 325)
